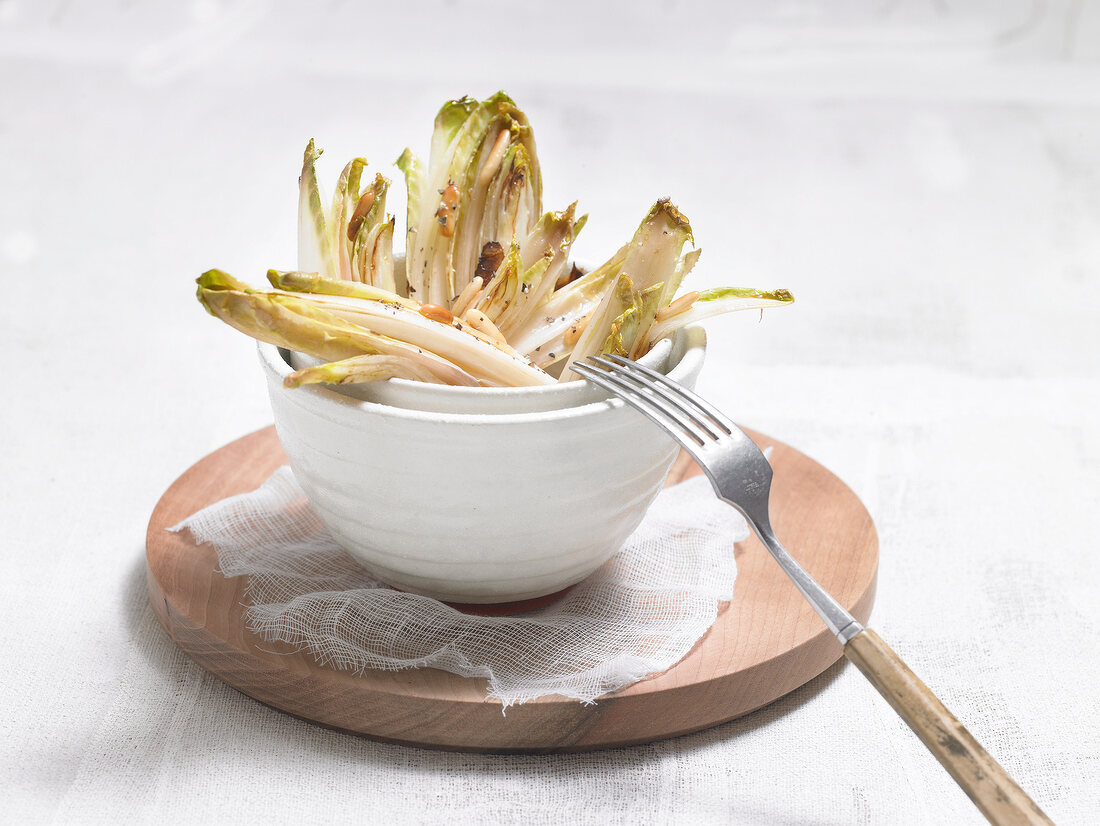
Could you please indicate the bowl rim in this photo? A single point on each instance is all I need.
(690, 341)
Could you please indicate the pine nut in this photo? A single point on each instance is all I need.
(481, 322)
(448, 206)
(467, 296)
(496, 154)
(436, 313)
(677, 306)
(361, 210)
(573, 334)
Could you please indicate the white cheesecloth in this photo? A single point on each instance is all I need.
(637, 615)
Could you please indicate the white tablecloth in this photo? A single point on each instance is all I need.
(924, 177)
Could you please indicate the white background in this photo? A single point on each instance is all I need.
(925, 177)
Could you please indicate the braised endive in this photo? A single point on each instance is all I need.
(488, 294)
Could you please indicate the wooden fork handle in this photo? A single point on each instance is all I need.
(980, 776)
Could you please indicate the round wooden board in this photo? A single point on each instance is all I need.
(764, 644)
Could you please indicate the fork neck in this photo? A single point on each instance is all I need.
(842, 624)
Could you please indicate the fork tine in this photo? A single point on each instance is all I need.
(674, 390)
(694, 408)
(684, 433)
(673, 394)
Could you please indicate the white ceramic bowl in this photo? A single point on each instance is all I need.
(439, 496)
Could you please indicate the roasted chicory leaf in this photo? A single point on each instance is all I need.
(488, 293)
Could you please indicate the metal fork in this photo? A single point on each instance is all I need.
(742, 476)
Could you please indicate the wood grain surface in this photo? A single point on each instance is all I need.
(764, 644)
